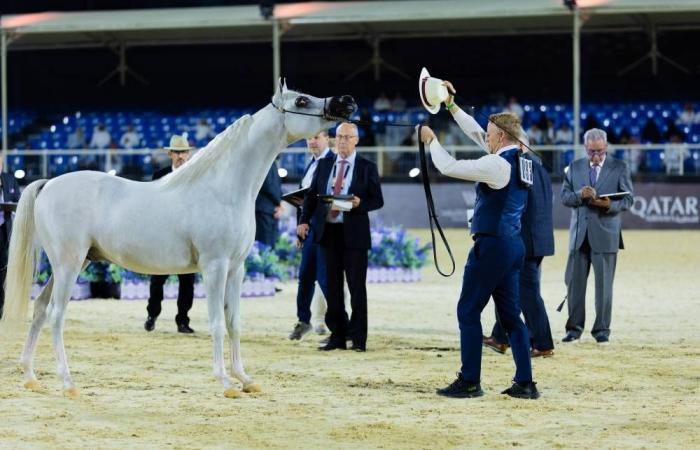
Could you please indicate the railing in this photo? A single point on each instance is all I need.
(393, 162)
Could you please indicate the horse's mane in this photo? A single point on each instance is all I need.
(208, 156)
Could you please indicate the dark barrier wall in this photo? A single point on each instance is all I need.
(656, 205)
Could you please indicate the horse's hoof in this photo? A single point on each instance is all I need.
(252, 388)
(34, 385)
(71, 392)
(232, 393)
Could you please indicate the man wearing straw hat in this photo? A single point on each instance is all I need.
(179, 152)
(494, 262)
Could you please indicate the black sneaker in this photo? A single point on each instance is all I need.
(525, 389)
(150, 323)
(461, 389)
(300, 329)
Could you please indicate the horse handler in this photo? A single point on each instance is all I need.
(179, 152)
(494, 262)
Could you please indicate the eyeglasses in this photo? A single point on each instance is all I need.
(595, 152)
(345, 137)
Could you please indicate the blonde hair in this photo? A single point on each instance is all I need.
(509, 123)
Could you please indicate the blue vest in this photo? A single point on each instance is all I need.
(498, 211)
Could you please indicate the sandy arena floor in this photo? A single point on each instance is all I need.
(155, 390)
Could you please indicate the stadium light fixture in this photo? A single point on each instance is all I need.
(19, 174)
(414, 172)
(282, 172)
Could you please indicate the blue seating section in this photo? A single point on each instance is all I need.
(156, 128)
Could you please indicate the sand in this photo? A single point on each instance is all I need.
(155, 390)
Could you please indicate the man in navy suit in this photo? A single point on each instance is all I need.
(8, 194)
(313, 260)
(345, 235)
(268, 208)
(537, 233)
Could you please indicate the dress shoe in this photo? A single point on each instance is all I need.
(333, 345)
(150, 323)
(525, 389)
(359, 348)
(534, 353)
(491, 343)
(300, 329)
(602, 340)
(570, 337)
(184, 328)
(461, 389)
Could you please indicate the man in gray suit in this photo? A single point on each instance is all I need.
(595, 234)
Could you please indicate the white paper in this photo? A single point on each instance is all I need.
(614, 194)
(341, 205)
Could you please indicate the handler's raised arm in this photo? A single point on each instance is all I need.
(490, 169)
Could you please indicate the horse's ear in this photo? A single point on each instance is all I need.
(284, 85)
(280, 85)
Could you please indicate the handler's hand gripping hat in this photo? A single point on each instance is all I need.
(431, 91)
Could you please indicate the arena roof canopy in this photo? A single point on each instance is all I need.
(335, 20)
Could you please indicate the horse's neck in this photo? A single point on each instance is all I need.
(243, 173)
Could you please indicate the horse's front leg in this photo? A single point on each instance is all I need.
(215, 275)
(232, 308)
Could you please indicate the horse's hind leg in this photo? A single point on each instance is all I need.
(27, 359)
(64, 278)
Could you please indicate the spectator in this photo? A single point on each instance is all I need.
(564, 135)
(101, 138)
(548, 131)
(398, 104)
(130, 139)
(203, 131)
(382, 103)
(688, 116)
(77, 139)
(514, 107)
(535, 134)
(674, 155)
(650, 132)
(268, 208)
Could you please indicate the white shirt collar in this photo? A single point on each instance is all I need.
(506, 148)
(323, 154)
(350, 159)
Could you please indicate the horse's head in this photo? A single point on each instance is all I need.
(305, 116)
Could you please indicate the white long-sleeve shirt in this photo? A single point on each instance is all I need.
(490, 169)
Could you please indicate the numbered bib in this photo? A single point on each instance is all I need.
(525, 166)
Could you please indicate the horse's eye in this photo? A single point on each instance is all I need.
(301, 102)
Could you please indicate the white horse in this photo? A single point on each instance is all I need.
(198, 218)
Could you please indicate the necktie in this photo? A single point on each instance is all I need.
(594, 174)
(338, 185)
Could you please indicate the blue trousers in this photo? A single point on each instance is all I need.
(533, 308)
(311, 269)
(493, 269)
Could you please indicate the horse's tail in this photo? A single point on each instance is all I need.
(21, 258)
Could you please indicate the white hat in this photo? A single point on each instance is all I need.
(179, 143)
(431, 91)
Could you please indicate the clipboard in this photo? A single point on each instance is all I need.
(9, 206)
(615, 195)
(330, 198)
(296, 198)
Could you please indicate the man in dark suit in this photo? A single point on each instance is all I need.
(8, 194)
(344, 233)
(595, 234)
(179, 152)
(268, 208)
(313, 260)
(537, 233)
